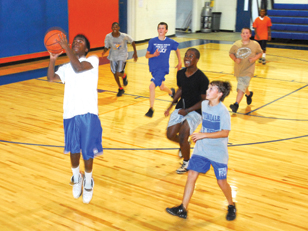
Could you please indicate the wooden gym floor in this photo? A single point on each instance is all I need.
(135, 179)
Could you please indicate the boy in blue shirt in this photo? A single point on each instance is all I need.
(158, 53)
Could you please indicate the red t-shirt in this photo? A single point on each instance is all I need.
(262, 27)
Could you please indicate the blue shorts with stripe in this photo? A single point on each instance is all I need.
(83, 133)
(202, 164)
(158, 77)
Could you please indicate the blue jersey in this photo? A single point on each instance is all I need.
(164, 47)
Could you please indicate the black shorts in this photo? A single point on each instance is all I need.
(262, 44)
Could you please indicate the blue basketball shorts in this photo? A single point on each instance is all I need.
(83, 133)
(158, 77)
(202, 164)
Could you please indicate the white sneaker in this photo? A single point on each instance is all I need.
(77, 186)
(183, 168)
(87, 193)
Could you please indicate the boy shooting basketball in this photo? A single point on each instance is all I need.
(82, 127)
(158, 53)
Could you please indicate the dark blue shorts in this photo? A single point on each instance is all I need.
(262, 44)
(83, 133)
(158, 77)
(202, 165)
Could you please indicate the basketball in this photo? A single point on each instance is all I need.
(51, 40)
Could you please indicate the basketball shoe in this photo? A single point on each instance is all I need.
(87, 193)
(179, 211)
(77, 187)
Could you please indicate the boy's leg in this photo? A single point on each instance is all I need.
(239, 96)
(166, 89)
(183, 140)
(117, 79)
(77, 178)
(189, 187)
(181, 211)
(88, 181)
(226, 189)
(152, 94)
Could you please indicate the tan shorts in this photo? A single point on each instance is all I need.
(243, 83)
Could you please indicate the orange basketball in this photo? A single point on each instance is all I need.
(51, 40)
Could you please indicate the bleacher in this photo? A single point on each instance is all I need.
(290, 21)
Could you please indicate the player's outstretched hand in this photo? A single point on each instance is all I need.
(167, 112)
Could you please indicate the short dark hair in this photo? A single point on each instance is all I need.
(85, 39)
(197, 53)
(163, 23)
(246, 28)
(223, 86)
(115, 24)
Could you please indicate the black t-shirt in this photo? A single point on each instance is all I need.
(192, 88)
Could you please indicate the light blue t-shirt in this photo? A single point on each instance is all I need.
(164, 47)
(214, 119)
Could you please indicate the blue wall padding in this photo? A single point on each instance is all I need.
(23, 24)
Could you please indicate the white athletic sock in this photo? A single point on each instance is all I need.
(76, 174)
(263, 55)
(88, 178)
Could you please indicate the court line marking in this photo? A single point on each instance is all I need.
(276, 99)
(157, 149)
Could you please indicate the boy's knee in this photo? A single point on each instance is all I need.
(192, 175)
(222, 183)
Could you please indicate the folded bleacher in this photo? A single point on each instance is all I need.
(290, 21)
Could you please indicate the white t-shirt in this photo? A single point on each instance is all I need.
(80, 92)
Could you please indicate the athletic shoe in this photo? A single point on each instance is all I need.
(231, 212)
(87, 193)
(179, 211)
(77, 187)
(234, 107)
(183, 168)
(125, 82)
(120, 92)
(249, 98)
(173, 92)
(150, 113)
(260, 60)
(263, 61)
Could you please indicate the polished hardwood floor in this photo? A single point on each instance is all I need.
(135, 179)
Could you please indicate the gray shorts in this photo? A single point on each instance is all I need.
(193, 119)
(117, 66)
(243, 83)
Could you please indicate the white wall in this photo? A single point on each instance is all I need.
(144, 16)
(228, 13)
(183, 8)
(292, 1)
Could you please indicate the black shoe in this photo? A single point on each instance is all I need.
(263, 61)
(249, 98)
(150, 113)
(260, 60)
(179, 211)
(173, 92)
(120, 92)
(231, 212)
(234, 107)
(125, 81)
